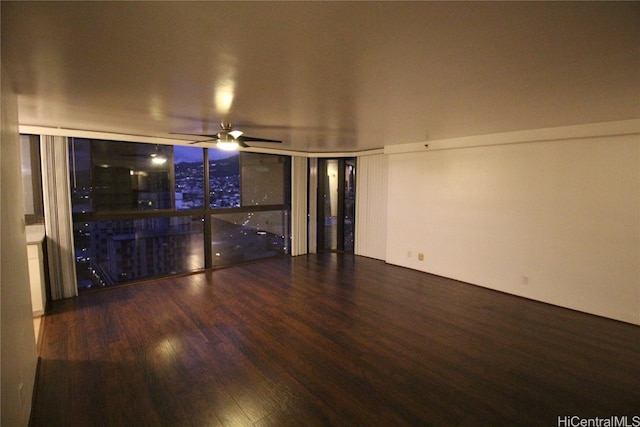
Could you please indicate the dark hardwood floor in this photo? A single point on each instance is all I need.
(324, 340)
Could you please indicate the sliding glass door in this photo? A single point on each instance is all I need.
(336, 204)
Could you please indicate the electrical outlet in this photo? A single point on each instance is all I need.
(408, 254)
(525, 280)
(420, 257)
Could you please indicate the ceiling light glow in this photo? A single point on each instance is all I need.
(227, 145)
(159, 160)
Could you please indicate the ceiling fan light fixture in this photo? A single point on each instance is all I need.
(228, 145)
(227, 141)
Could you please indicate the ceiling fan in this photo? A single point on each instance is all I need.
(229, 139)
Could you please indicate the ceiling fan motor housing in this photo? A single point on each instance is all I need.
(225, 136)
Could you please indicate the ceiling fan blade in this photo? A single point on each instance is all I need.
(213, 136)
(202, 140)
(215, 139)
(209, 137)
(252, 139)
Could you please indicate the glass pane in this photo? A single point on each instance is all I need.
(349, 203)
(331, 206)
(115, 252)
(224, 179)
(241, 237)
(80, 179)
(264, 179)
(31, 179)
(336, 204)
(189, 177)
(27, 179)
(131, 176)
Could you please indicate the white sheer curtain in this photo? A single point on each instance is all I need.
(298, 206)
(371, 206)
(54, 153)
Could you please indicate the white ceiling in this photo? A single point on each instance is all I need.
(323, 76)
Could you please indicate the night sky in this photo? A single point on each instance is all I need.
(194, 154)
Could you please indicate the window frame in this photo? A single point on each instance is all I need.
(206, 211)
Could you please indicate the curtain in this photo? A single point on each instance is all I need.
(298, 206)
(371, 207)
(54, 153)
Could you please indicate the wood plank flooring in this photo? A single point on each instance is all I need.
(327, 340)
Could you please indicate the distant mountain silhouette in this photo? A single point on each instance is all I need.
(223, 167)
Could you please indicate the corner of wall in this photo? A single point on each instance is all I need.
(19, 358)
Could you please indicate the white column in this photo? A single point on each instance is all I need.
(298, 206)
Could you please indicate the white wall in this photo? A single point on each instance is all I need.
(18, 354)
(555, 221)
(371, 206)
